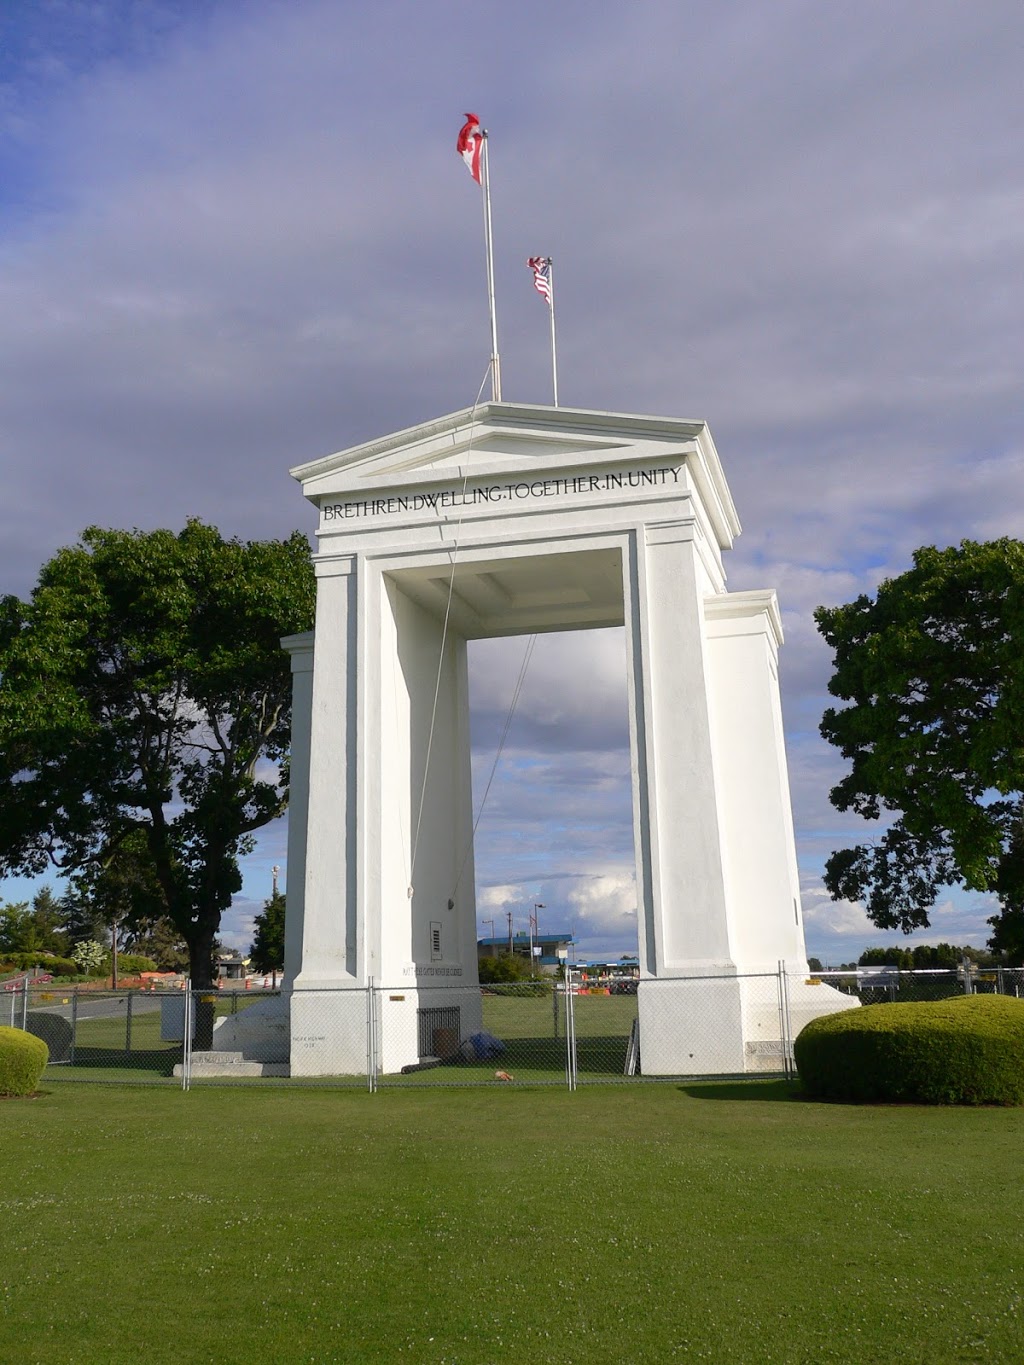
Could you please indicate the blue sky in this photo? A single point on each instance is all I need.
(235, 236)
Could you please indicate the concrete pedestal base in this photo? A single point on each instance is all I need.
(259, 1032)
(329, 1027)
(717, 1026)
(329, 1032)
(398, 1026)
(230, 1065)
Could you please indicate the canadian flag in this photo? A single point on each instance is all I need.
(471, 140)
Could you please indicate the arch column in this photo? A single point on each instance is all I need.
(683, 917)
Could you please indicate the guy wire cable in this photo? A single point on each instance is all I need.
(444, 633)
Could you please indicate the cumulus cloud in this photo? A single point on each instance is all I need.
(237, 238)
(837, 931)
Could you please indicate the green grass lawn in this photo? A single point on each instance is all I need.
(724, 1222)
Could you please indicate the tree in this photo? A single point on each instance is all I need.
(159, 940)
(509, 967)
(902, 958)
(46, 935)
(15, 921)
(88, 955)
(940, 956)
(32, 928)
(122, 890)
(144, 695)
(267, 951)
(932, 671)
(78, 921)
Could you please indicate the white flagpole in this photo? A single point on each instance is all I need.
(485, 176)
(554, 352)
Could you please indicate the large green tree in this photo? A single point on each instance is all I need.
(932, 673)
(158, 939)
(122, 890)
(267, 951)
(33, 929)
(145, 702)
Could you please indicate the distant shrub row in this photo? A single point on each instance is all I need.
(24, 962)
(967, 1050)
(128, 964)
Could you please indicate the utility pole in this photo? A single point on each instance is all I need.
(273, 872)
(534, 929)
(508, 915)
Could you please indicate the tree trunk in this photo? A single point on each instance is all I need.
(200, 953)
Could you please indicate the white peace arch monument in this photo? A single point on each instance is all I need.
(511, 519)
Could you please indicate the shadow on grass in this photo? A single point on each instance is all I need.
(753, 1090)
(142, 1064)
(537, 1059)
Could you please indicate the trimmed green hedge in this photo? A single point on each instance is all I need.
(130, 964)
(22, 1059)
(969, 1050)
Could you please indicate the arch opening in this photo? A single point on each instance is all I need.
(557, 828)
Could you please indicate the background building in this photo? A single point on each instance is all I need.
(553, 949)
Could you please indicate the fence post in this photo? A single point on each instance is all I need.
(965, 967)
(24, 1003)
(128, 1026)
(570, 1034)
(371, 1038)
(785, 1021)
(74, 1022)
(186, 1034)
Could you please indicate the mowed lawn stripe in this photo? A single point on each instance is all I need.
(648, 1223)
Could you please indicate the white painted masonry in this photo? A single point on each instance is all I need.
(549, 519)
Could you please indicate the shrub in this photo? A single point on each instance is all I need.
(131, 964)
(22, 1058)
(518, 990)
(46, 962)
(507, 967)
(57, 966)
(968, 1050)
(88, 955)
(54, 1030)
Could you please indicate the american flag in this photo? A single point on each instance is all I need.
(541, 267)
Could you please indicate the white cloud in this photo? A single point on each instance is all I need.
(838, 931)
(238, 237)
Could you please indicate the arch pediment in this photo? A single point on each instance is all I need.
(513, 442)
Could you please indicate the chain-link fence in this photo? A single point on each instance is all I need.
(873, 985)
(120, 1035)
(546, 1032)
